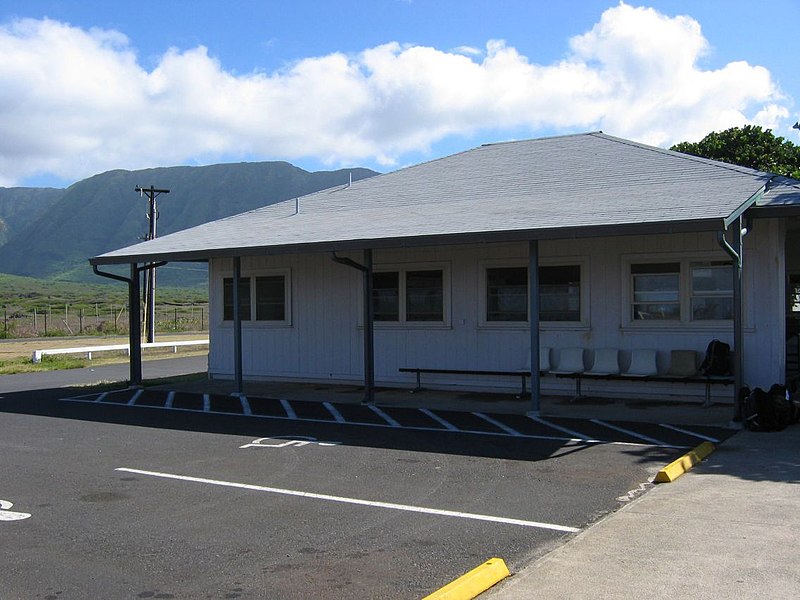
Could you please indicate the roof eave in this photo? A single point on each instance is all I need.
(483, 237)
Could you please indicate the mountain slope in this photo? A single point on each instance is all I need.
(21, 206)
(104, 212)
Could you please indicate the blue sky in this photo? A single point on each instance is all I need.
(90, 86)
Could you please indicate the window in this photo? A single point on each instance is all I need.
(507, 294)
(244, 298)
(271, 298)
(681, 291)
(656, 291)
(409, 296)
(263, 298)
(424, 296)
(386, 296)
(712, 291)
(559, 294)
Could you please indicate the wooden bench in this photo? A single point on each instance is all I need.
(419, 370)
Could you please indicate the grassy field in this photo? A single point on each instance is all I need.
(15, 355)
(41, 308)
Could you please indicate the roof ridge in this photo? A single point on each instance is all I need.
(682, 155)
(539, 139)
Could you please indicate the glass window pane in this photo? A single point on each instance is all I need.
(271, 298)
(656, 292)
(560, 293)
(507, 294)
(712, 291)
(712, 309)
(386, 296)
(657, 311)
(656, 287)
(244, 299)
(425, 296)
(712, 279)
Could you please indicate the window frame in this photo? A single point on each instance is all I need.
(582, 262)
(687, 261)
(252, 276)
(403, 269)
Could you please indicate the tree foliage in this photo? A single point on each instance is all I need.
(748, 146)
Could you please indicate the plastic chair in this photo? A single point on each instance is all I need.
(570, 362)
(682, 363)
(544, 360)
(643, 364)
(606, 362)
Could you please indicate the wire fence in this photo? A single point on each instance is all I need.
(97, 319)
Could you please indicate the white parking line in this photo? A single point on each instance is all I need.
(290, 414)
(337, 416)
(692, 433)
(443, 422)
(135, 397)
(357, 501)
(576, 436)
(498, 424)
(246, 410)
(392, 422)
(641, 436)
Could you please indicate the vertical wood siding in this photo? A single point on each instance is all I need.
(325, 338)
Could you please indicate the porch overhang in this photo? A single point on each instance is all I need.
(140, 254)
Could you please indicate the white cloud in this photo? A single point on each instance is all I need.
(75, 102)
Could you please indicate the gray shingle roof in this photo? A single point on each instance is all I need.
(577, 185)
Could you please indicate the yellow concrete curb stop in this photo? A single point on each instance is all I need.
(475, 582)
(684, 464)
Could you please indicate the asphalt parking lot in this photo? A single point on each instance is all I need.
(161, 495)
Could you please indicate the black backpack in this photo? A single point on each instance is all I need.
(717, 361)
(768, 411)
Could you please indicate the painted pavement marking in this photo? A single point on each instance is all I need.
(290, 414)
(10, 515)
(640, 436)
(135, 397)
(392, 422)
(337, 416)
(357, 501)
(691, 433)
(443, 422)
(285, 441)
(576, 436)
(498, 424)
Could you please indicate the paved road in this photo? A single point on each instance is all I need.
(131, 498)
(151, 369)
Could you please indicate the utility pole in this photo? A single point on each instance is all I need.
(150, 285)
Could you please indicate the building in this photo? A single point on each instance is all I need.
(631, 247)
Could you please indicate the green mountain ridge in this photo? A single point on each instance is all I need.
(103, 212)
(19, 206)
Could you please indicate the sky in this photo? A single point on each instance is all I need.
(88, 86)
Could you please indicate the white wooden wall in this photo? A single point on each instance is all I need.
(324, 340)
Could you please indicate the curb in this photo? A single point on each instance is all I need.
(475, 582)
(684, 464)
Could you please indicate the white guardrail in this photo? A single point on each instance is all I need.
(88, 350)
